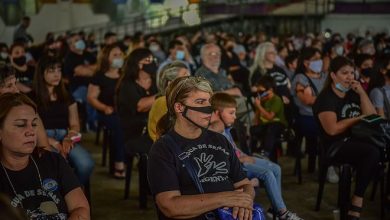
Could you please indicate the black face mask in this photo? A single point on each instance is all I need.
(20, 61)
(204, 110)
(150, 68)
(368, 72)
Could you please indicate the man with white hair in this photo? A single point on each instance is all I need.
(210, 69)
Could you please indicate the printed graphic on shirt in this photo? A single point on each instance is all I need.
(211, 163)
(48, 207)
(350, 110)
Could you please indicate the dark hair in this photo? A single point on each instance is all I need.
(267, 82)
(6, 71)
(131, 68)
(360, 58)
(39, 84)
(3, 45)
(10, 100)
(109, 34)
(174, 43)
(377, 79)
(290, 58)
(103, 59)
(306, 54)
(16, 44)
(335, 65)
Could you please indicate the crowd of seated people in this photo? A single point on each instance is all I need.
(141, 89)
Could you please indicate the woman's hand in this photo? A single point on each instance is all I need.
(66, 146)
(357, 87)
(108, 110)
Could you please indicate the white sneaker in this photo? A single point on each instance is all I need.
(332, 176)
(290, 216)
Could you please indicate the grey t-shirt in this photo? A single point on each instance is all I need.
(303, 80)
(377, 99)
(219, 81)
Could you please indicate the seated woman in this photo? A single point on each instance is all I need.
(136, 94)
(341, 104)
(59, 115)
(37, 181)
(224, 183)
(8, 84)
(270, 119)
(101, 92)
(159, 108)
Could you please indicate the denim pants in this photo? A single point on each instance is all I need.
(270, 174)
(79, 158)
(80, 96)
(112, 122)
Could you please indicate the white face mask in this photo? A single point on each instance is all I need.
(4, 55)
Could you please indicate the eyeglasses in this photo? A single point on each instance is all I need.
(214, 54)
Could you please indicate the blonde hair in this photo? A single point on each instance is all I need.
(178, 91)
(259, 61)
(168, 74)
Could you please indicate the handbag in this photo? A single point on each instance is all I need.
(220, 213)
(375, 130)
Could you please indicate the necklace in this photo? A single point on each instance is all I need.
(10, 182)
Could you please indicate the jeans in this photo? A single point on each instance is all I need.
(270, 174)
(79, 158)
(112, 122)
(80, 96)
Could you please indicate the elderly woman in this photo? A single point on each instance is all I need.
(38, 181)
(159, 108)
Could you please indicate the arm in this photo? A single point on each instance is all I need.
(84, 70)
(333, 127)
(365, 104)
(263, 113)
(145, 103)
(77, 204)
(305, 94)
(233, 91)
(92, 97)
(74, 118)
(175, 205)
(380, 112)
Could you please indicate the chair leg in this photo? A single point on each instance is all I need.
(374, 188)
(105, 146)
(111, 159)
(129, 167)
(98, 130)
(344, 190)
(382, 192)
(321, 185)
(143, 181)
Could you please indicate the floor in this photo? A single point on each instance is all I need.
(107, 193)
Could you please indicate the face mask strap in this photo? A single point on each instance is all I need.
(184, 114)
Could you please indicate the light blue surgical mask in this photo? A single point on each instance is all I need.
(341, 88)
(316, 66)
(180, 55)
(117, 63)
(79, 45)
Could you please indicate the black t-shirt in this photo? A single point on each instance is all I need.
(347, 107)
(107, 87)
(25, 77)
(71, 61)
(280, 77)
(58, 179)
(56, 114)
(212, 156)
(132, 121)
